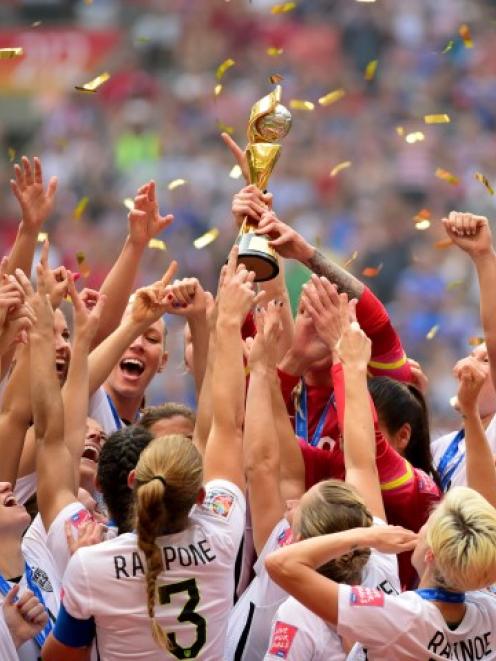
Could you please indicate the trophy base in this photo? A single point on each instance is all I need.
(256, 254)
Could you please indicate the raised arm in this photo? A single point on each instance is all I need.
(473, 235)
(481, 471)
(36, 205)
(145, 222)
(261, 450)
(223, 455)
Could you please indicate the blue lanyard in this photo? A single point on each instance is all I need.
(5, 588)
(444, 468)
(301, 417)
(115, 415)
(438, 594)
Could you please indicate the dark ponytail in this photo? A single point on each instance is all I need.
(399, 403)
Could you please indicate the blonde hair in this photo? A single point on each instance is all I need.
(334, 507)
(461, 533)
(168, 480)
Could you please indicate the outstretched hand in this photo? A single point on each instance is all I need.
(322, 301)
(238, 154)
(86, 318)
(354, 347)
(236, 291)
(469, 232)
(471, 375)
(283, 238)
(145, 221)
(36, 203)
(151, 302)
(262, 349)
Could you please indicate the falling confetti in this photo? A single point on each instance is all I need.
(299, 104)
(283, 8)
(36, 24)
(12, 154)
(42, 237)
(224, 128)
(143, 40)
(276, 78)
(176, 184)
(158, 244)
(84, 269)
(207, 238)
(80, 207)
(332, 97)
(372, 271)
(94, 84)
(217, 89)
(9, 53)
(351, 259)
(222, 68)
(433, 332)
(437, 119)
(273, 51)
(454, 284)
(442, 244)
(88, 2)
(422, 225)
(128, 203)
(400, 131)
(235, 172)
(464, 32)
(416, 136)
(475, 341)
(485, 182)
(340, 166)
(370, 69)
(453, 401)
(445, 175)
(448, 47)
(423, 214)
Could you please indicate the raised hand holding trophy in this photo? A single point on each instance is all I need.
(269, 121)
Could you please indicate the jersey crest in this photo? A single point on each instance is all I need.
(282, 639)
(285, 537)
(40, 577)
(80, 517)
(362, 596)
(218, 502)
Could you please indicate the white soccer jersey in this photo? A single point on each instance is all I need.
(409, 628)
(7, 648)
(458, 460)
(194, 592)
(25, 487)
(249, 624)
(298, 634)
(100, 410)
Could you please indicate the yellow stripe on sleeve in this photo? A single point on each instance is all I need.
(388, 366)
(399, 481)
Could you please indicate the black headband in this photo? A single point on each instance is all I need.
(159, 477)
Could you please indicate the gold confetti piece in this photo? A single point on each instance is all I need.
(372, 271)
(224, 128)
(445, 175)
(143, 40)
(485, 182)
(94, 84)
(340, 166)
(217, 89)
(370, 69)
(423, 214)
(222, 68)
(206, 239)
(36, 24)
(332, 97)
(273, 51)
(448, 47)
(80, 207)
(453, 402)
(88, 2)
(400, 131)
(433, 332)
(84, 268)
(351, 259)
(42, 237)
(157, 243)
(12, 154)
(276, 78)
(128, 203)
(475, 341)
(422, 225)
(283, 8)
(442, 244)
(454, 284)
(464, 32)
(176, 184)
(299, 104)
(9, 53)
(235, 172)
(416, 136)
(437, 119)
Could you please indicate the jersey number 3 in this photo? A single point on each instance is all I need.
(188, 614)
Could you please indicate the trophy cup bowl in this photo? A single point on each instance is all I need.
(269, 121)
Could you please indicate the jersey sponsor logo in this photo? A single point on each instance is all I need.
(285, 537)
(80, 517)
(218, 502)
(362, 596)
(282, 639)
(40, 577)
(476, 647)
(426, 484)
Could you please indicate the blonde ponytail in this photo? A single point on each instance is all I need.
(168, 480)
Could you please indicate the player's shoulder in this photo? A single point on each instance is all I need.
(121, 544)
(295, 613)
(222, 500)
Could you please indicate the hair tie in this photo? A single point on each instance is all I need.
(159, 477)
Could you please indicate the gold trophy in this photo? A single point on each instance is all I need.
(269, 121)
